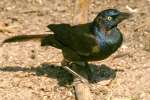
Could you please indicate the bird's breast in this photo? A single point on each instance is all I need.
(106, 44)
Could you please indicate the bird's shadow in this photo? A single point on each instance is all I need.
(64, 78)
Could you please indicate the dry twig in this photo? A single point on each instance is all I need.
(81, 16)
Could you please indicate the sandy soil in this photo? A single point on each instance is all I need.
(25, 74)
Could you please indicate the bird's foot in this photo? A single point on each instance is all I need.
(82, 79)
(91, 76)
(65, 63)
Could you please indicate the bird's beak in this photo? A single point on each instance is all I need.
(122, 16)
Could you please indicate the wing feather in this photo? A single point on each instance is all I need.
(79, 38)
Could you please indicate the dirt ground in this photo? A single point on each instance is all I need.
(29, 72)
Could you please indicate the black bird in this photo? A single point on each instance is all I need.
(92, 41)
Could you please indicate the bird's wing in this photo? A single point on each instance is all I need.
(78, 38)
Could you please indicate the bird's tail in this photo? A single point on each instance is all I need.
(46, 40)
(21, 38)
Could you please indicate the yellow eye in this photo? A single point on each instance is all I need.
(109, 18)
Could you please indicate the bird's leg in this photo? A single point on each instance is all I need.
(87, 68)
(90, 72)
(65, 64)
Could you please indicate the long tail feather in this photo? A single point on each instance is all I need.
(46, 40)
(21, 38)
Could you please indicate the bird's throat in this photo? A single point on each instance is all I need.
(101, 38)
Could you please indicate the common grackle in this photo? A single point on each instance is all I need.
(92, 41)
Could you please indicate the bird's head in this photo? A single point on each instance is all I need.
(110, 18)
